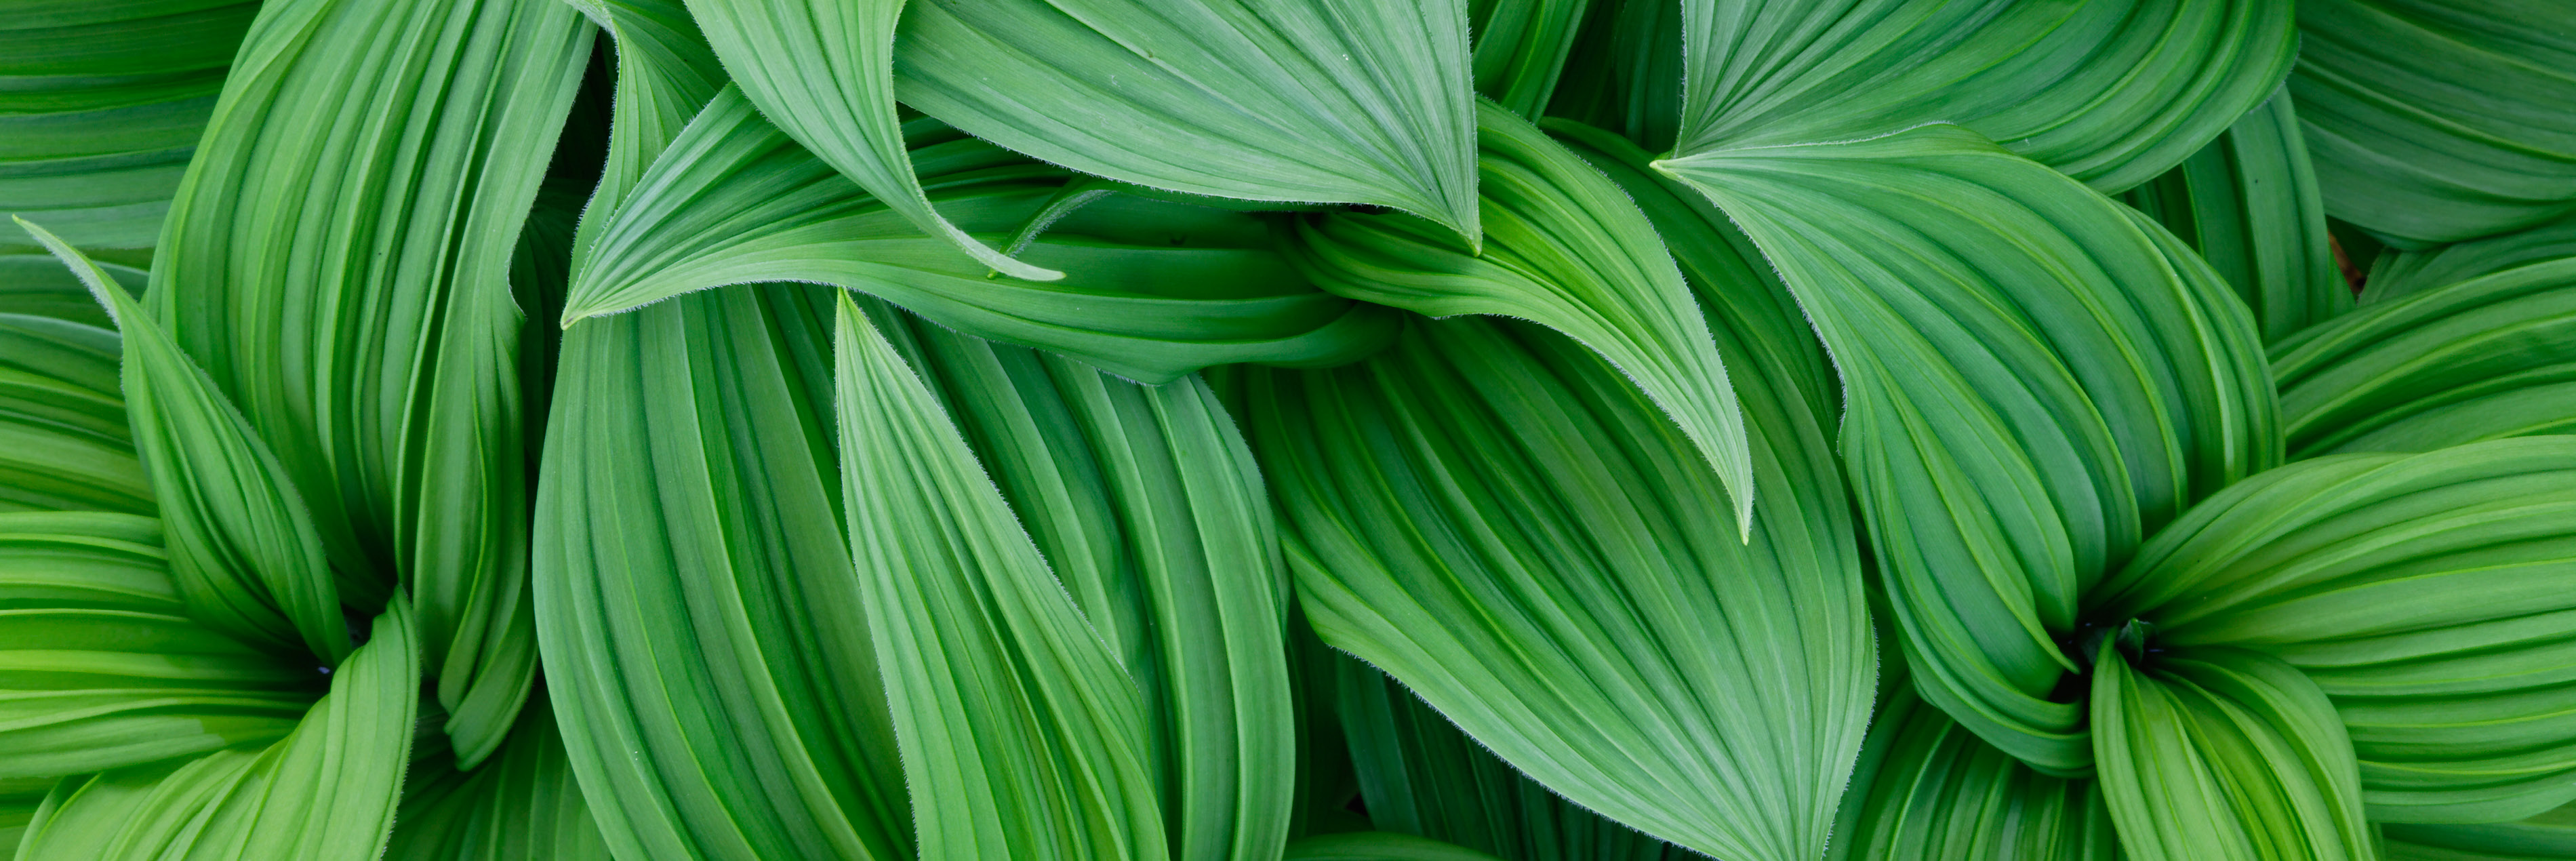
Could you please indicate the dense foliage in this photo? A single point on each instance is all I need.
(1245, 430)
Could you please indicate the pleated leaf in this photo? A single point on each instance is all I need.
(1159, 289)
(2218, 753)
(2437, 122)
(1150, 512)
(2111, 93)
(328, 790)
(1624, 72)
(2034, 377)
(1928, 788)
(823, 72)
(103, 106)
(521, 804)
(38, 285)
(1496, 518)
(2248, 203)
(2425, 594)
(244, 549)
(1566, 249)
(1326, 101)
(338, 259)
(2548, 835)
(1022, 735)
(64, 443)
(2403, 273)
(697, 611)
(1378, 846)
(1520, 49)
(2491, 357)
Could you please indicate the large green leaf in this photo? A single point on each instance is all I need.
(337, 259)
(244, 551)
(2549, 835)
(2035, 377)
(1151, 513)
(2440, 121)
(522, 805)
(2490, 357)
(1023, 735)
(64, 443)
(1495, 517)
(2427, 595)
(1563, 248)
(2218, 753)
(2402, 273)
(1289, 100)
(1928, 788)
(37, 284)
(2248, 203)
(326, 791)
(1158, 288)
(2112, 92)
(1420, 775)
(102, 106)
(705, 650)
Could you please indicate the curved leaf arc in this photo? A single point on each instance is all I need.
(2481, 359)
(2248, 204)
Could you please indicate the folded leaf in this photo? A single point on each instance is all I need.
(103, 106)
(18, 802)
(1378, 846)
(2548, 835)
(2437, 122)
(2111, 93)
(1928, 788)
(1498, 519)
(2248, 203)
(2491, 357)
(64, 444)
(2427, 595)
(2216, 753)
(2403, 273)
(696, 608)
(1624, 72)
(1327, 101)
(521, 804)
(244, 550)
(1521, 46)
(1159, 289)
(2034, 377)
(36, 284)
(1022, 734)
(328, 790)
(1151, 513)
(1563, 248)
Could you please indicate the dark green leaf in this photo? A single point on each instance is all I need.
(2490, 357)
(2248, 203)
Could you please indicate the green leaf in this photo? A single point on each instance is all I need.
(338, 259)
(103, 667)
(2548, 835)
(1624, 73)
(1420, 775)
(1324, 101)
(521, 804)
(1378, 846)
(1022, 734)
(1495, 517)
(696, 606)
(1566, 249)
(1151, 513)
(1159, 289)
(2035, 377)
(244, 550)
(64, 444)
(1928, 788)
(37, 284)
(2111, 93)
(2217, 753)
(824, 74)
(104, 104)
(2490, 357)
(1521, 47)
(2438, 122)
(328, 790)
(2425, 594)
(2248, 203)
(2404, 273)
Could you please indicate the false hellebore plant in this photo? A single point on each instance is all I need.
(1236, 430)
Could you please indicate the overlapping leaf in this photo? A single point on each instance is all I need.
(1330, 101)
(37, 284)
(2493, 356)
(1378, 846)
(2548, 835)
(1564, 248)
(1624, 72)
(2035, 377)
(1521, 49)
(2402, 273)
(523, 804)
(2248, 204)
(1928, 788)
(1496, 518)
(2425, 594)
(338, 259)
(1158, 289)
(2437, 122)
(102, 106)
(64, 444)
(2112, 93)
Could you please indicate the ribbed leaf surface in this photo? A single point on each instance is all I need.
(2217, 753)
(2490, 357)
(1928, 788)
(64, 442)
(2248, 203)
(522, 804)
